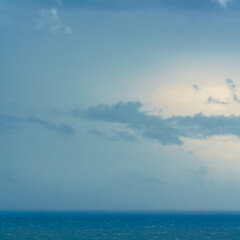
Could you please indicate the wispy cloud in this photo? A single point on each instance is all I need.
(215, 101)
(64, 129)
(95, 133)
(201, 126)
(10, 123)
(224, 3)
(50, 20)
(123, 136)
(59, 2)
(115, 136)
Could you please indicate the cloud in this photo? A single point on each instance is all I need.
(123, 136)
(59, 2)
(95, 132)
(235, 98)
(195, 87)
(231, 85)
(200, 126)
(224, 3)
(50, 20)
(215, 101)
(167, 131)
(64, 129)
(116, 136)
(8, 123)
(147, 126)
(11, 123)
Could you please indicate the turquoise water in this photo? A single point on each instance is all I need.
(72, 226)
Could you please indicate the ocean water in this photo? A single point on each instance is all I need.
(73, 226)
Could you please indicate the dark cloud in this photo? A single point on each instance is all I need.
(120, 112)
(166, 131)
(147, 126)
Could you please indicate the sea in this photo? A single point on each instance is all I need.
(127, 226)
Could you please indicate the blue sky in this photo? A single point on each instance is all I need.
(119, 105)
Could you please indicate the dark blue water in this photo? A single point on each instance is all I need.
(72, 226)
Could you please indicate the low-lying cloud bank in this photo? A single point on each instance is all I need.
(167, 131)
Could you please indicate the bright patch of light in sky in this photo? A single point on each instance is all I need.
(210, 99)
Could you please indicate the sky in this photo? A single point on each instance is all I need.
(130, 105)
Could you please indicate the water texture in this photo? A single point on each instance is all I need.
(73, 226)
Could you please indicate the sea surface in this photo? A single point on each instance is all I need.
(73, 226)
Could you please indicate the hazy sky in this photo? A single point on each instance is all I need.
(119, 105)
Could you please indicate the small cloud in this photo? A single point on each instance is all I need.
(49, 19)
(215, 101)
(224, 3)
(195, 87)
